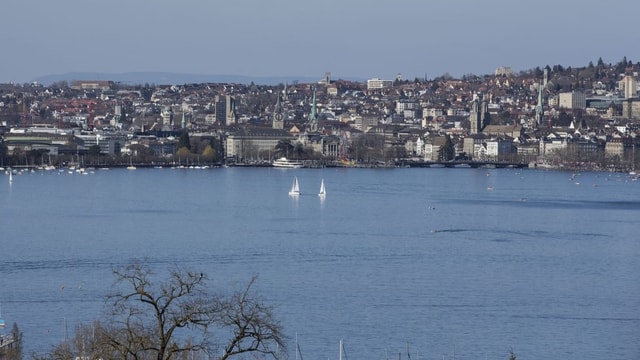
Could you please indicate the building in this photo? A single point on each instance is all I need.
(478, 116)
(504, 70)
(629, 85)
(432, 147)
(631, 108)
(108, 144)
(364, 123)
(499, 148)
(572, 100)
(376, 84)
(256, 144)
(91, 85)
(225, 110)
(614, 149)
(472, 143)
(405, 104)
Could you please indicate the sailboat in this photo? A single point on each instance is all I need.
(131, 166)
(295, 188)
(298, 351)
(341, 351)
(322, 192)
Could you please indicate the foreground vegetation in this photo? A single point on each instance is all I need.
(178, 317)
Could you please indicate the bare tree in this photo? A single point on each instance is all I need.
(147, 316)
(251, 323)
(177, 317)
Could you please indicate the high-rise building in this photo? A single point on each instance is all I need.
(225, 110)
(572, 100)
(630, 86)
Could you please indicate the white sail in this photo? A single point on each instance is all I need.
(295, 188)
(323, 191)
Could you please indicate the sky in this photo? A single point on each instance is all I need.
(349, 38)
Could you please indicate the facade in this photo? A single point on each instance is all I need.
(376, 84)
(614, 149)
(497, 149)
(572, 100)
(364, 123)
(108, 144)
(631, 108)
(471, 143)
(91, 85)
(504, 70)
(478, 116)
(629, 85)
(405, 104)
(167, 118)
(225, 110)
(432, 147)
(254, 143)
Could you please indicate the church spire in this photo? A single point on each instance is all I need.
(539, 109)
(278, 117)
(313, 117)
(285, 95)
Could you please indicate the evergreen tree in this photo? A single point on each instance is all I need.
(183, 141)
(447, 152)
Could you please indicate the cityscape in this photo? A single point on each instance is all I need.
(550, 116)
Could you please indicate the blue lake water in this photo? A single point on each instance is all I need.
(433, 262)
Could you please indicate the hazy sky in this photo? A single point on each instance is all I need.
(349, 38)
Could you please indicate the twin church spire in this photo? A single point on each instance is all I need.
(277, 118)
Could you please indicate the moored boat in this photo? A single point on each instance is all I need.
(283, 162)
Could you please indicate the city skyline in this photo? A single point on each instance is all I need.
(288, 38)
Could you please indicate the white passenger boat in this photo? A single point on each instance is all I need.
(283, 162)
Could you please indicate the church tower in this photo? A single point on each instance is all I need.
(539, 109)
(167, 118)
(313, 117)
(474, 117)
(278, 117)
(478, 115)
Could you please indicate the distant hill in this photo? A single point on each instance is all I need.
(163, 78)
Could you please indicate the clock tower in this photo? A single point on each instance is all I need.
(278, 116)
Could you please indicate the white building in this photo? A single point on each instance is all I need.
(629, 85)
(499, 147)
(504, 70)
(375, 83)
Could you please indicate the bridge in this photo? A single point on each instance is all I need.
(460, 164)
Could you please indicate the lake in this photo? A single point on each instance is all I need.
(419, 263)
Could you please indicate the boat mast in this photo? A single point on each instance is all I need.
(298, 352)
